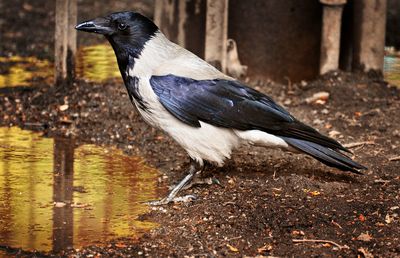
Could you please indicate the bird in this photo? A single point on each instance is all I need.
(208, 113)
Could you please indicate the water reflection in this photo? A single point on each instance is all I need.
(97, 63)
(53, 196)
(392, 69)
(94, 63)
(63, 183)
(22, 71)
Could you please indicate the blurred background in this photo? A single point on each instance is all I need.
(274, 40)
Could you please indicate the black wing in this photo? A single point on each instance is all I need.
(231, 104)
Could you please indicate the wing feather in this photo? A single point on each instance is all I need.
(231, 104)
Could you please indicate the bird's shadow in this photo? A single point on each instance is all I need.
(280, 165)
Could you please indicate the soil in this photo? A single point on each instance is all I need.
(266, 198)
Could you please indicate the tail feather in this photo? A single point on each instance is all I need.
(328, 156)
(298, 130)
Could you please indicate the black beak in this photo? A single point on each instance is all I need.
(98, 25)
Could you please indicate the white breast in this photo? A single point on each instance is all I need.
(208, 142)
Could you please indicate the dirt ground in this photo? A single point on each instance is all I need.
(267, 199)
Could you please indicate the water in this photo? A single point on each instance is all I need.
(391, 69)
(54, 195)
(94, 63)
(97, 63)
(22, 71)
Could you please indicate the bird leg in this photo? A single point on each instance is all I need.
(202, 181)
(198, 181)
(194, 168)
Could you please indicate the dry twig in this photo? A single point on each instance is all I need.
(394, 158)
(320, 241)
(365, 252)
(356, 144)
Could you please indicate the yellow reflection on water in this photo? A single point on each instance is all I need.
(98, 192)
(21, 71)
(391, 70)
(93, 63)
(97, 63)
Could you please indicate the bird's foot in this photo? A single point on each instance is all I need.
(193, 170)
(202, 181)
(165, 201)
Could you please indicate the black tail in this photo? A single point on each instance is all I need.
(326, 155)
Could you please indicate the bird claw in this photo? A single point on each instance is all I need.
(193, 170)
(202, 181)
(165, 201)
(186, 198)
(216, 181)
(161, 202)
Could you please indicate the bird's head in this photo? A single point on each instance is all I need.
(127, 32)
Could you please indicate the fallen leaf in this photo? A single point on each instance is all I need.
(232, 248)
(120, 245)
(388, 219)
(265, 248)
(314, 193)
(66, 120)
(333, 133)
(311, 193)
(365, 252)
(298, 233)
(319, 97)
(63, 107)
(366, 237)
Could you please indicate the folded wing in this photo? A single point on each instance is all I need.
(231, 104)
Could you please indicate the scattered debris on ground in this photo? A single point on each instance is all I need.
(268, 202)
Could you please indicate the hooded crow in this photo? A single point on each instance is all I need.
(207, 112)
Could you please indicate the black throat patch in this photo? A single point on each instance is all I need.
(128, 45)
(132, 86)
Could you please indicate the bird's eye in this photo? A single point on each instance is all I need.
(122, 26)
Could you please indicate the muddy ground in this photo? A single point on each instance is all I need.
(267, 198)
